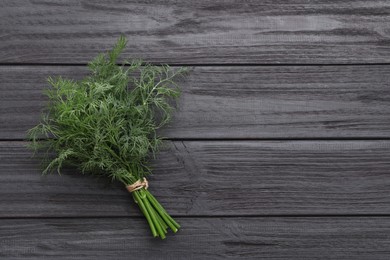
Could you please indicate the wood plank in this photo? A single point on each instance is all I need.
(218, 31)
(237, 102)
(214, 178)
(200, 238)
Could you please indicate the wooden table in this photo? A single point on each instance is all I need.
(280, 147)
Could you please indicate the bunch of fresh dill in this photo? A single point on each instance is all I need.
(106, 125)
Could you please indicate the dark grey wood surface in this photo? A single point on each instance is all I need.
(214, 178)
(279, 149)
(202, 238)
(197, 32)
(238, 102)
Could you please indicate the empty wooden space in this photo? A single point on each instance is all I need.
(202, 238)
(198, 32)
(279, 148)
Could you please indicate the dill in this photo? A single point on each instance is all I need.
(106, 124)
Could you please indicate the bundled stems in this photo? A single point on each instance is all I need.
(158, 219)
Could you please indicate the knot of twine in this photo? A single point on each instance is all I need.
(138, 185)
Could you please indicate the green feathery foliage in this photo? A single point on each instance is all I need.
(106, 123)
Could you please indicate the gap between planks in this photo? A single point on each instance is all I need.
(210, 216)
(209, 64)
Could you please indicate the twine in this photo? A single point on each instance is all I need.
(138, 185)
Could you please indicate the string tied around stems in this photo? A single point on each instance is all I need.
(138, 185)
(157, 217)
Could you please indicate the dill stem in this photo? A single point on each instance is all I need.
(168, 219)
(145, 212)
(162, 222)
(152, 213)
(166, 213)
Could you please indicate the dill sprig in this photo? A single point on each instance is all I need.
(106, 124)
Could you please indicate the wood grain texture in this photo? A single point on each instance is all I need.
(196, 32)
(237, 102)
(214, 178)
(236, 193)
(200, 238)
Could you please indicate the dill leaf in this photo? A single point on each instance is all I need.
(106, 124)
